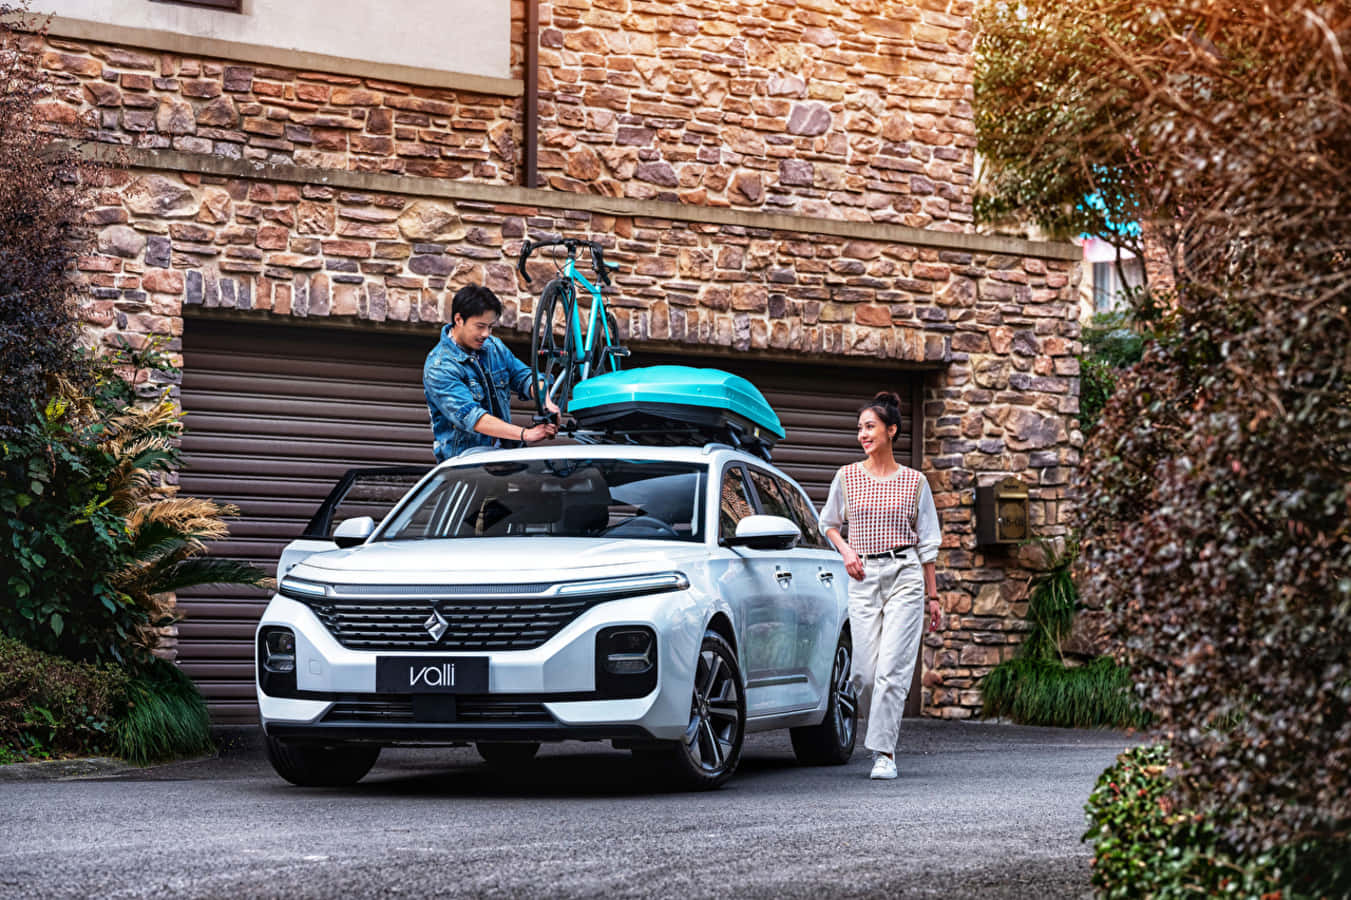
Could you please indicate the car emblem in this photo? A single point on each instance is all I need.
(436, 624)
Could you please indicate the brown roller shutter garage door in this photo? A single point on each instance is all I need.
(276, 413)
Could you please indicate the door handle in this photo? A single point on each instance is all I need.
(826, 578)
(783, 576)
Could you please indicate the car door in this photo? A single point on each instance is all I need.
(822, 586)
(359, 492)
(788, 677)
(749, 583)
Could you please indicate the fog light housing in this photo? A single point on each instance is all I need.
(629, 652)
(626, 661)
(279, 650)
(277, 661)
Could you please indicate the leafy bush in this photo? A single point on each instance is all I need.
(1216, 497)
(1112, 342)
(1145, 846)
(54, 707)
(96, 538)
(43, 192)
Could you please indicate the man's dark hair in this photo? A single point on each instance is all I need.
(473, 300)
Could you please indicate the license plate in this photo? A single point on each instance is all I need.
(431, 674)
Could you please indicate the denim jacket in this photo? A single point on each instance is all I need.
(457, 397)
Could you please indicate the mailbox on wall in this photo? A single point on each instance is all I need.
(1001, 512)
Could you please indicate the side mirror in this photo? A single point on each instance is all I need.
(351, 532)
(766, 533)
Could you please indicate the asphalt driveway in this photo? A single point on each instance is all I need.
(980, 810)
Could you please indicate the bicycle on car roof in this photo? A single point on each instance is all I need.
(562, 351)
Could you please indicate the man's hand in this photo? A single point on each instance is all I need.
(551, 406)
(541, 432)
(935, 614)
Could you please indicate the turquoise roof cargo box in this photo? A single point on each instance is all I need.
(677, 405)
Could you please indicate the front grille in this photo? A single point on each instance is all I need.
(468, 708)
(477, 623)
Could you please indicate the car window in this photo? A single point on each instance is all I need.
(803, 514)
(560, 498)
(771, 501)
(735, 503)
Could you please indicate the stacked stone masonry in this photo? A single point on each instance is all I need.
(998, 332)
(845, 110)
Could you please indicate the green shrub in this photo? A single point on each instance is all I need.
(1144, 846)
(96, 537)
(52, 707)
(1047, 692)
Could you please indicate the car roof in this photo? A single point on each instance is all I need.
(706, 454)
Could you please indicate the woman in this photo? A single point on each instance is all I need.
(893, 542)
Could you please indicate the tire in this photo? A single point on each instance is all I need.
(711, 749)
(602, 362)
(832, 742)
(505, 754)
(549, 359)
(315, 765)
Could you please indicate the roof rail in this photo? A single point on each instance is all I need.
(716, 445)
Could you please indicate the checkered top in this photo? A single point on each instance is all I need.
(882, 513)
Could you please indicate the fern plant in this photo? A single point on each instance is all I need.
(97, 538)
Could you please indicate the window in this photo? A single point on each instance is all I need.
(1108, 287)
(228, 5)
(559, 498)
(735, 504)
(804, 515)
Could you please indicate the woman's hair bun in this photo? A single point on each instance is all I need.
(890, 398)
(887, 405)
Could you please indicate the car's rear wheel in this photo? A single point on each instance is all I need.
(832, 742)
(708, 753)
(320, 765)
(499, 753)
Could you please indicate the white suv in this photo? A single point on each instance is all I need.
(666, 599)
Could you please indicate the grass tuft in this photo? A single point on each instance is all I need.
(1046, 692)
(165, 717)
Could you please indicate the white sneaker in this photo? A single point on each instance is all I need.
(884, 767)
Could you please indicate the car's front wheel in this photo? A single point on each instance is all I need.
(315, 765)
(832, 742)
(710, 749)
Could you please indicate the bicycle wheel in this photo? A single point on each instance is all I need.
(552, 354)
(602, 360)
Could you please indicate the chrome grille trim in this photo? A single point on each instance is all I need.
(441, 591)
(472, 624)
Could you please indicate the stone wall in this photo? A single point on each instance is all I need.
(997, 331)
(139, 98)
(840, 110)
(857, 109)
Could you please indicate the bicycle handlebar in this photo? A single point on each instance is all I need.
(597, 255)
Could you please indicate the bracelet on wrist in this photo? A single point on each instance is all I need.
(522, 434)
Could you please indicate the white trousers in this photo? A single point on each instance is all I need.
(886, 616)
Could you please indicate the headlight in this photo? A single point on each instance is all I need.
(626, 586)
(298, 589)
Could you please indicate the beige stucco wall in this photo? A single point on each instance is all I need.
(467, 36)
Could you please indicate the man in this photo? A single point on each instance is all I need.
(468, 377)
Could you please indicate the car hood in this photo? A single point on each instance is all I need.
(494, 560)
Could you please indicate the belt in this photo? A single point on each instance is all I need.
(893, 553)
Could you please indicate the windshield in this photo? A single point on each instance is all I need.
(626, 498)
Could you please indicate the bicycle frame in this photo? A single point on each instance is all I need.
(585, 339)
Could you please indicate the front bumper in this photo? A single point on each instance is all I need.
(548, 693)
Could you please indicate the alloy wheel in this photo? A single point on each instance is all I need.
(715, 722)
